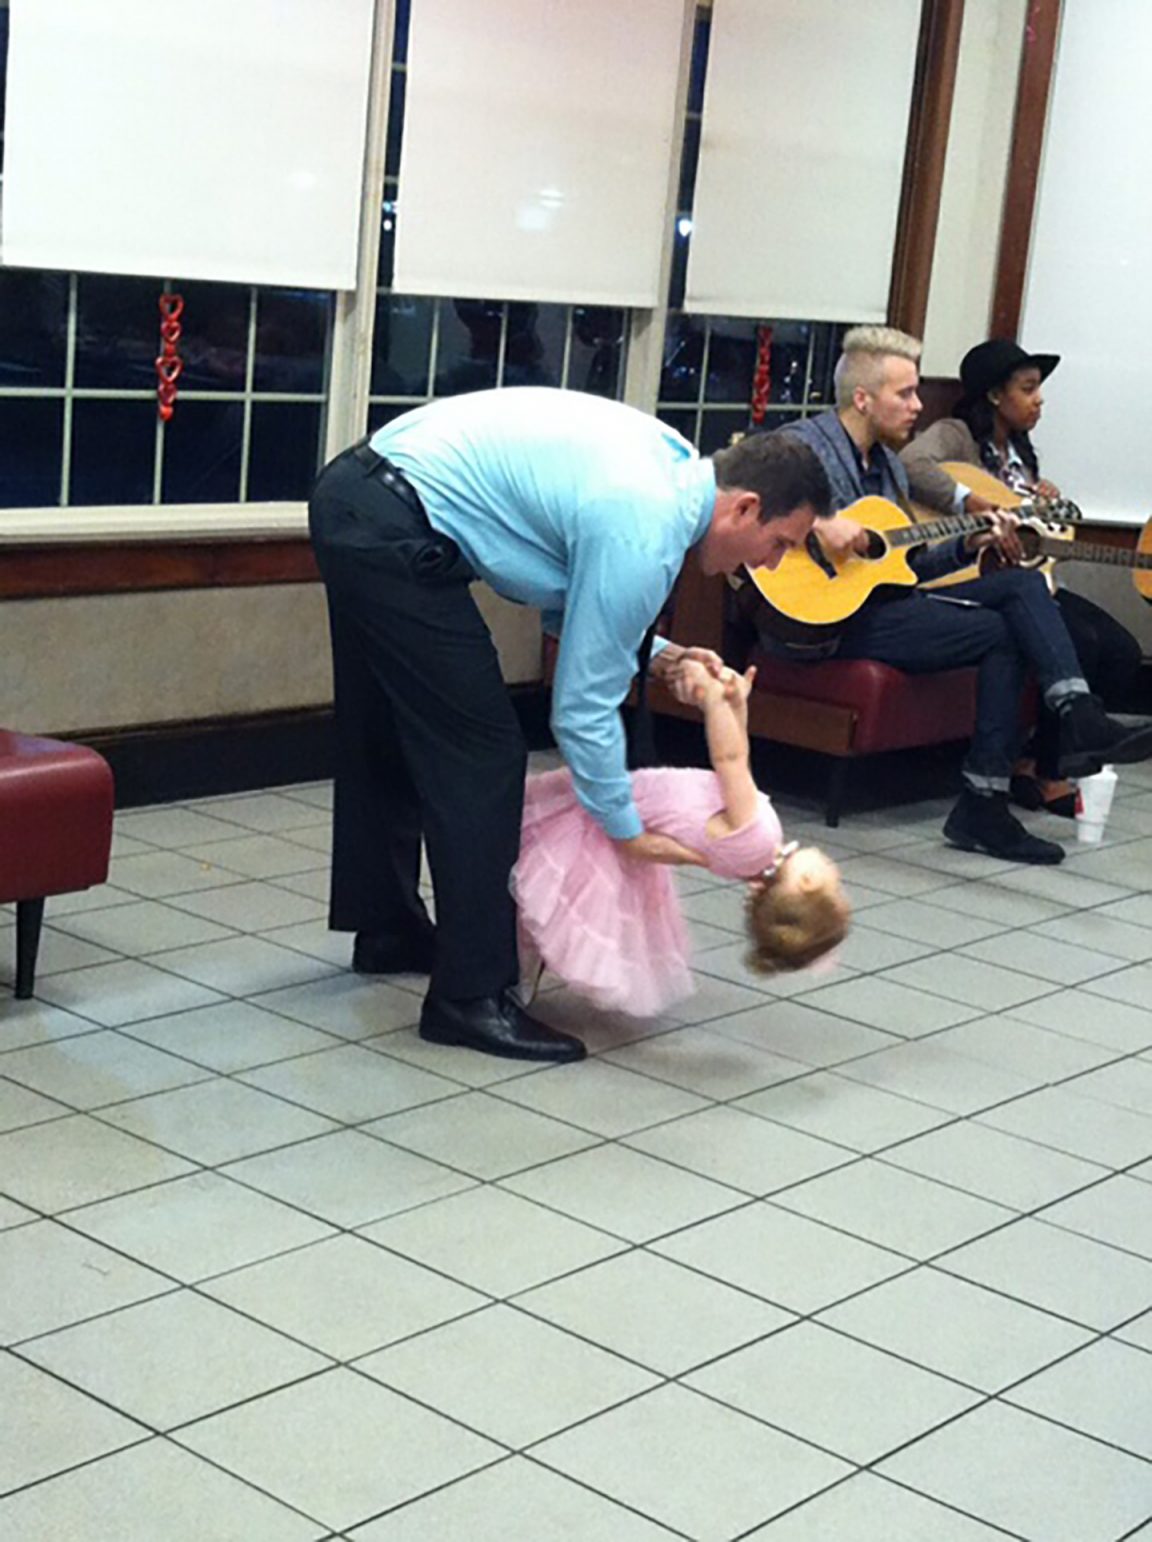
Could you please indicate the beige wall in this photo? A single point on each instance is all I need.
(120, 661)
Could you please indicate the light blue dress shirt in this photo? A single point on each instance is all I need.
(582, 507)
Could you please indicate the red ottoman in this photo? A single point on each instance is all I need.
(56, 804)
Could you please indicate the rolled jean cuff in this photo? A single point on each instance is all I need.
(985, 786)
(1061, 691)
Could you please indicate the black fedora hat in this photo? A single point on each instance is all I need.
(990, 364)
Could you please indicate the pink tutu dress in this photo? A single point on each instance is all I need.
(609, 926)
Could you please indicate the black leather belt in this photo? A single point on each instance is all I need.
(384, 471)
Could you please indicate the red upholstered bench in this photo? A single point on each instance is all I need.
(842, 708)
(56, 804)
(853, 707)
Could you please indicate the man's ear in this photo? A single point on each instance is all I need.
(748, 507)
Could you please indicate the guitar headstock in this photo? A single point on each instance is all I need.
(1053, 512)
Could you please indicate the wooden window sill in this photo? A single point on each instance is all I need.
(56, 552)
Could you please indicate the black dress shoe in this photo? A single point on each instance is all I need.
(373, 953)
(984, 823)
(495, 1025)
(1089, 738)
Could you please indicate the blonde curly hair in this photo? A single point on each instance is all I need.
(790, 928)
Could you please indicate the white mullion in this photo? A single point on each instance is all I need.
(249, 378)
(433, 352)
(702, 393)
(808, 370)
(69, 384)
(566, 361)
(502, 345)
(160, 442)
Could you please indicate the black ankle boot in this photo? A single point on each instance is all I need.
(982, 822)
(1089, 738)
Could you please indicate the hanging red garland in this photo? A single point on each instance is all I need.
(169, 363)
(762, 379)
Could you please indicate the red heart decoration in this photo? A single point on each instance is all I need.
(169, 369)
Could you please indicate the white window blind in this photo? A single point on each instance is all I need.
(535, 158)
(220, 140)
(1088, 295)
(801, 158)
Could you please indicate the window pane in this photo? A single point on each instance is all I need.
(285, 451)
(689, 162)
(700, 42)
(469, 345)
(825, 352)
(678, 275)
(731, 361)
(33, 326)
(403, 17)
(534, 350)
(717, 428)
(380, 413)
(291, 340)
(683, 354)
(395, 122)
(402, 346)
(214, 345)
(113, 452)
(387, 235)
(202, 453)
(117, 331)
(683, 422)
(32, 433)
(597, 350)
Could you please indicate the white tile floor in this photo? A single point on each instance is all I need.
(850, 1257)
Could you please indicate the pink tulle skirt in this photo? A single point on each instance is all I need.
(607, 925)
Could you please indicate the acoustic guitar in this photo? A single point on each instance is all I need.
(813, 593)
(1044, 533)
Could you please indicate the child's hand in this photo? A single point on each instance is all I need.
(693, 683)
(737, 688)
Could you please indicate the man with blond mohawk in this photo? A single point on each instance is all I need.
(1005, 623)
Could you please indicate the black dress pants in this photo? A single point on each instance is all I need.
(428, 743)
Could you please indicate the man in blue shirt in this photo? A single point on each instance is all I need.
(581, 507)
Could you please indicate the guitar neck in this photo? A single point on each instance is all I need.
(936, 529)
(1094, 551)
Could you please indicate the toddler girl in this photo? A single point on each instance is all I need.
(611, 927)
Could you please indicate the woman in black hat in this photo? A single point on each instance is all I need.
(992, 427)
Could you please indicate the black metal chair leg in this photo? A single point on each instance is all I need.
(29, 915)
(837, 783)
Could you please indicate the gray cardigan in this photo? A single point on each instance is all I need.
(948, 439)
(829, 438)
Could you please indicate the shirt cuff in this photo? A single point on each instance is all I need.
(958, 497)
(623, 825)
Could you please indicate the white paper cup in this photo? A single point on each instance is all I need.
(1094, 796)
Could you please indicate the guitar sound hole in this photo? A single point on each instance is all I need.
(1030, 541)
(877, 547)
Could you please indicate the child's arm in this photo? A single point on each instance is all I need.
(725, 707)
